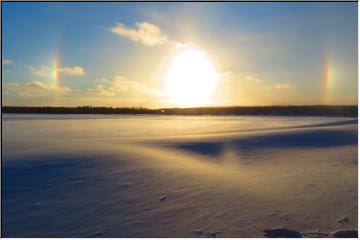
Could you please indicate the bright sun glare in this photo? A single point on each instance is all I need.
(191, 78)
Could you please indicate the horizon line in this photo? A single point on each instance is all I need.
(140, 107)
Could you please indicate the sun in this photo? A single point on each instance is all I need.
(191, 79)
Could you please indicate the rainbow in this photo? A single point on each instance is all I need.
(57, 73)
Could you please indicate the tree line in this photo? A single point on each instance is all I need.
(316, 110)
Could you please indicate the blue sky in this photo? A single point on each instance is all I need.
(264, 53)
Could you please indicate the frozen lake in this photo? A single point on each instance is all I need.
(177, 176)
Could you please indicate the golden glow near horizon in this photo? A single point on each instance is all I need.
(191, 79)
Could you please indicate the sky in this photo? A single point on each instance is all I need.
(120, 54)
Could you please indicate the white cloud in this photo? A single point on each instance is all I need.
(10, 85)
(7, 62)
(238, 88)
(100, 91)
(101, 80)
(121, 91)
(35, 89)
(122, 87)
(63, 90)
(253, 79)
(38, 85)
(122, 84)
(41, 71)
(285, 86)
(145, 33)
(46, 71)
(75, 71)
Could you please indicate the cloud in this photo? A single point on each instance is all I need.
(7, 62)
(253, 79)
(10, 86)
(122, 84)
(239, 88)
(100, 91)
(101, 80)
(144, 32)
(41, 71)
(35, 89)
(46, 71)
(121, 91)
(115, 91)
(39, 85)
(63, 90)
(285, 86)
(75, 71)
(121, 87)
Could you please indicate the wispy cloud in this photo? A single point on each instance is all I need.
(45, 70)
(100, 91)
(238, 88)
(75, 71)
(121, 91)
(131, 87)
(38, 85)
(35, 89)
(7, 62)
(285, 86)
(122, 87)
(144, 32)
(41, 71)
(253, 79)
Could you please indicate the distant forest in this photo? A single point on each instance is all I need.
(319, 110)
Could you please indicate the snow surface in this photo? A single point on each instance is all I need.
(177, 176)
